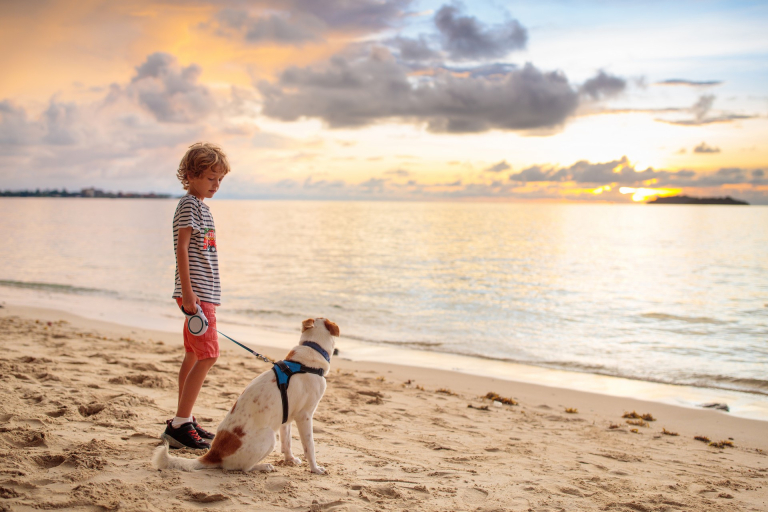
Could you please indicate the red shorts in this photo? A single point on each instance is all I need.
(207, 345)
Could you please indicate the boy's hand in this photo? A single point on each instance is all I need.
(189, 302)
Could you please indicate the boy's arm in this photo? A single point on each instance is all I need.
(188, 297)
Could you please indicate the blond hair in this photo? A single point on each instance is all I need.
(200, 157)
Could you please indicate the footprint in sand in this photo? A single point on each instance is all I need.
(204, 497)
(30, 439)
(49, 461)
(276, 484)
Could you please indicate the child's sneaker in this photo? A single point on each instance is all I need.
(201, 431)
(183, 436)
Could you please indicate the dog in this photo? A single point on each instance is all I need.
(247, 433)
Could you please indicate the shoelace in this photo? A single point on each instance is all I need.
(194, 434)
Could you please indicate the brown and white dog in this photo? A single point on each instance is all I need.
(247, 434)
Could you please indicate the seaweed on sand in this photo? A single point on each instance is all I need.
(496, 398)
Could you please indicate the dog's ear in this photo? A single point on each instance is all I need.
(332, 328)
(307, 324)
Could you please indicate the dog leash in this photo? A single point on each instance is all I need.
(262, 357)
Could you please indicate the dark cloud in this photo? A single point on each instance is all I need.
(501, 166)
(169, 91)
(349, 14)
(467, 38)
(705, 148)
(279, 28)
(691, 83)
(537, 173)
(414, 49)
(617, 171)
(296, 22)
(350, 92)
(588, 173)
(603, 85)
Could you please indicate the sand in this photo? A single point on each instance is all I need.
(82, 404)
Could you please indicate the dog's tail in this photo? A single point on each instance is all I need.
(161, 459)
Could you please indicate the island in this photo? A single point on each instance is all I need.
(697, 200)
(86, 192)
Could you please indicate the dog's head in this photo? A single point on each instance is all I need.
(320, 330)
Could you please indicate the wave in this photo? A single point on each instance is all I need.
(687, 319)
(712, 381)
(55, 287)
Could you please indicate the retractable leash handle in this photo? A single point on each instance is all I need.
(197, 324)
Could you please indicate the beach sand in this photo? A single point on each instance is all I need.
(82, 404)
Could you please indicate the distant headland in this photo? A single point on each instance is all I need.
(697, 200)
(86, 192)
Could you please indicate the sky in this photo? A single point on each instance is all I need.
(552, 100)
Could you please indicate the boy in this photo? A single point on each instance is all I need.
(197, 282)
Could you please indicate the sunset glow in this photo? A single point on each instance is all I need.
(377, 100)
(641, 194)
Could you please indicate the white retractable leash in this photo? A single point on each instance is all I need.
(197, 324)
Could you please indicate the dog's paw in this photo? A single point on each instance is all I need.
(293, 461)
(318, 470)
(264, 468)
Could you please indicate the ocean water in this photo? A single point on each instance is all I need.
(671, 294)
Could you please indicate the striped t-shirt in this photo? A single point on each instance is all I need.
(203, 256)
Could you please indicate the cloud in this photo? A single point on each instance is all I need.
(588, 173)
(702, 106)
(603, 85)
(691, 83)
(700, 109)
(128, 138)
(730, 176)
(57, 126)
(295, 22)
(501, 166)
(169, 91)
(414, 49)
(498, 69)
(466, 38)
(16, 129)
(704, 148)
(538, 173)
(286, 28)
(354, 92)
(371, 15)
(728, 118)
(398, 172)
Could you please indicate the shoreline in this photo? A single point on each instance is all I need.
(604, 405)
(741, 403)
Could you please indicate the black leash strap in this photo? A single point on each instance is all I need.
(263, 358)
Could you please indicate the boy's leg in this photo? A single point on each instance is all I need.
(192, 386)
(189, 361)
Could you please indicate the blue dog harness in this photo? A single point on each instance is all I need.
(284, 370)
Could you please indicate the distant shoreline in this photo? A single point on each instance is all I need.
(88, 193)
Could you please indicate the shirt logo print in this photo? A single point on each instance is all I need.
(209, 240)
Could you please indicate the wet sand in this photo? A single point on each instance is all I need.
(82, 404)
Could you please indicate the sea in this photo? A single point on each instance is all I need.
(666, 302)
